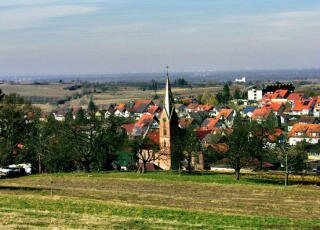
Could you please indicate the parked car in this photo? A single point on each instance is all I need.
(15, 170)
(316, 170)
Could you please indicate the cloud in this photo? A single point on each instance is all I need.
(281, 20)
(28, 17)
(18, 3)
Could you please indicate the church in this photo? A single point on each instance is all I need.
(167, 140)
(168, 131)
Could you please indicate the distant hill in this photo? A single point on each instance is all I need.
(218, 76)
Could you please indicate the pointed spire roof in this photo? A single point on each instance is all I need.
(168, 99)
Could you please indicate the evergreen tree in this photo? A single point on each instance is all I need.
(91, 106)
(226, 93)
(191, 146)
(240, 145)
(237, 93)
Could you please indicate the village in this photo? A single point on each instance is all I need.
(294, 117)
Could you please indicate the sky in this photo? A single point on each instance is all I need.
(122, 36)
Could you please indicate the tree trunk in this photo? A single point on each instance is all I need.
(237, 168)
(143, 169)
(260, 163)
(86, 165)
(189, 165)
(237, 174)
(39, 164)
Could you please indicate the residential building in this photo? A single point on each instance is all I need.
(254, 94)
(304, 132)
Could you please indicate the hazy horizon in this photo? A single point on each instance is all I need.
(56, 37)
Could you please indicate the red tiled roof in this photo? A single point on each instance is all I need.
(120, 106)
(20, 146)
(154, 136)
(128, 127)
(313, 128)
(281, 92)
(204, 107)
(261, 113)
(193, 106)
(153, 109)
(277, 133)
(303, 104)
(185, 122)
(303, 129)
(317, 102)
(140, 105)
(202, 133)
(209, 124)
(295, 96)
(278, 94)
(145, 119)
(225, 112)
(307, 130)
(220, 147)
(275, 107)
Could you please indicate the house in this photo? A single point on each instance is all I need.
(197, 119)
(128, 128)
(304, 132)
(293, 97)
(303, 107)
(75, 110)
(155, 110)
(121, 111)
(186, 122)
(140, 106)
(109, 109)
(279, 96)
(210, 124)
(193, 107)
(226, 116)
(254, 94)
(180, 109)
(206, 108)
(308, 120)
(261, 114)
(277, 108)
(248, 111)
(43, 117)
(316, 109)
(60, 114)
(146, 121)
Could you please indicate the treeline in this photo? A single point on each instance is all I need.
(52, 146)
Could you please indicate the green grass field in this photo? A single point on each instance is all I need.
(155, 201)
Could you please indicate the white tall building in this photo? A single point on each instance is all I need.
(254, 94)
(240, 80)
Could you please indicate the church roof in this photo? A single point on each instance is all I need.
(168, 104)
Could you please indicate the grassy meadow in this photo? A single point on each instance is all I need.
(155, 201)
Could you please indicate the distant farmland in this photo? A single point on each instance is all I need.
(52, 93)
(125, 94)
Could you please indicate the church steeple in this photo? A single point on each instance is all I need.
(168, 127)
(168, 99)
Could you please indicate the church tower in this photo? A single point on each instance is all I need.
(168, 127)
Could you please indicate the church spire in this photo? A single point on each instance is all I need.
(168, 99)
